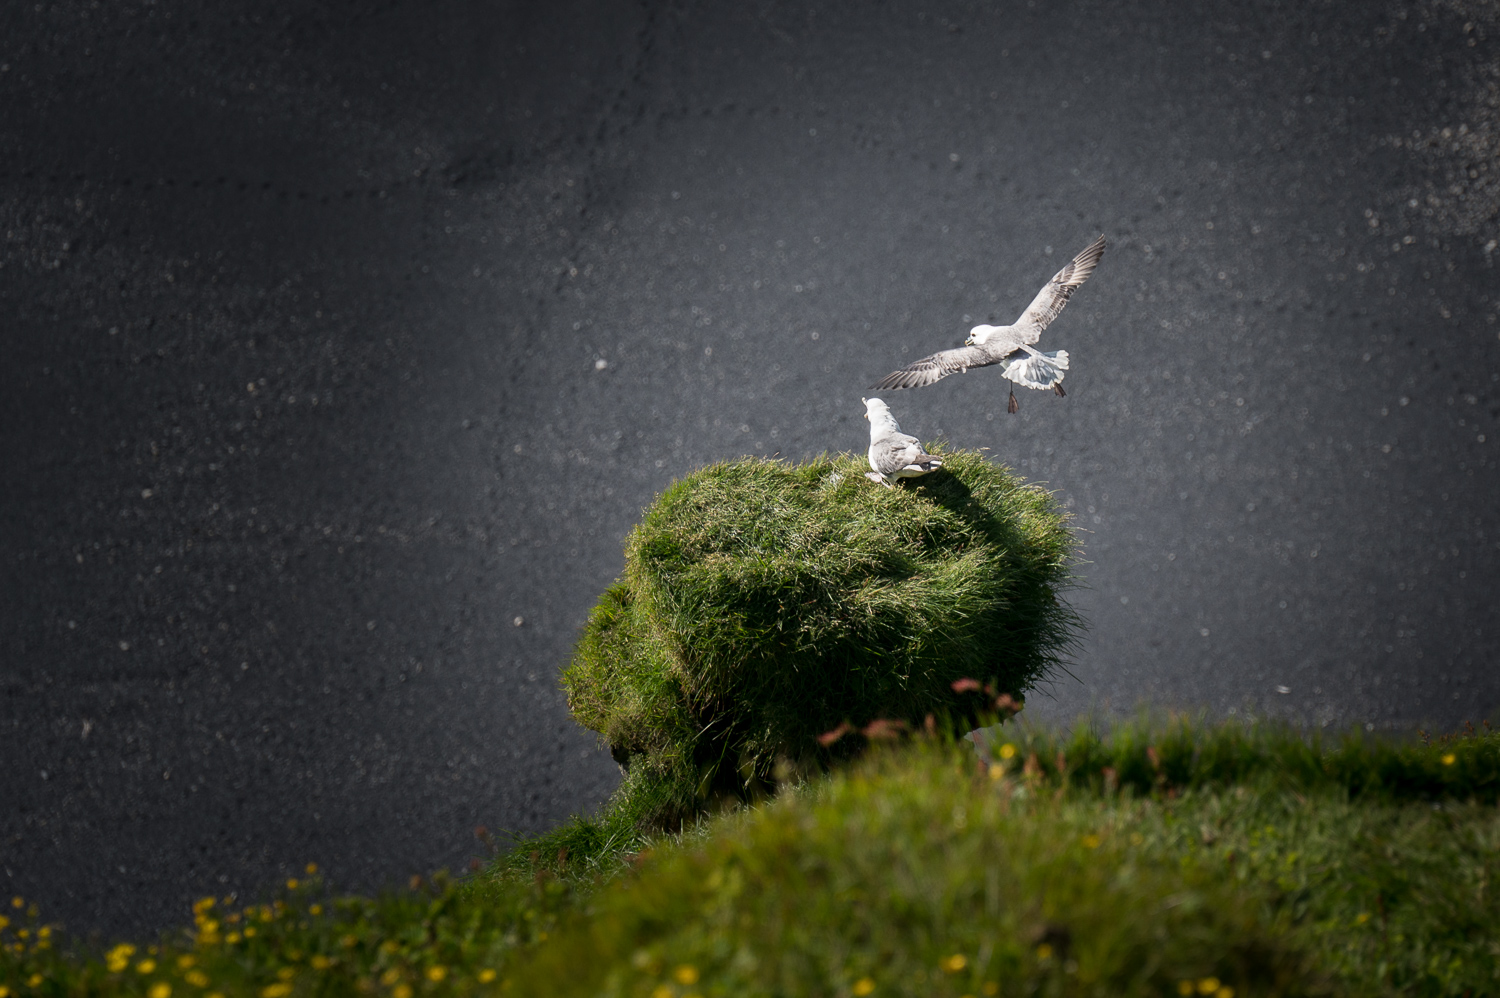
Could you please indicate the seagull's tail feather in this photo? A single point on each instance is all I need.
(926, 463)
(1038, 370)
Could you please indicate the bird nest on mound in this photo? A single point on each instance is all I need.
(765, 604)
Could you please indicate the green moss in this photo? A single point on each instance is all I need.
(764, 604)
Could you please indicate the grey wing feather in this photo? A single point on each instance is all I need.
(935, 367)
(893, 453)
(1050, 301)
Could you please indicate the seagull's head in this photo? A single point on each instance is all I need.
(875, 407)
(979, 334)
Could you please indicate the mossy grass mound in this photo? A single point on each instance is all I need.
(765, 603)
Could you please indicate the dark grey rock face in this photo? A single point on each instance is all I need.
(342, 347)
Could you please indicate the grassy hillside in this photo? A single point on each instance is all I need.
(1158, 860)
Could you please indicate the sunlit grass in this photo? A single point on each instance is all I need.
(765, 603)
(1158, 859)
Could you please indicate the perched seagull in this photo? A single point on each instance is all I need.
(1010, 345)
(894, 454)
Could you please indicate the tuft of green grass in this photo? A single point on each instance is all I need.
(764, 604)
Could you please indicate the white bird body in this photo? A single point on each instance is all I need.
(1010, 345)
(894, 454)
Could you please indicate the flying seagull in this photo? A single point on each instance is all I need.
(1010, 345)
(894, 454)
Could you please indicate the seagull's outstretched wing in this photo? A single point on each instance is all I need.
(1050, 301)
(935, 367)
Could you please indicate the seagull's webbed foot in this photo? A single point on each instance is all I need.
(1058, 389)
(1013, 406)
(876, 476)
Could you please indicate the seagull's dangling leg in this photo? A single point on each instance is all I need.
(1012, 406)
(1058, 389)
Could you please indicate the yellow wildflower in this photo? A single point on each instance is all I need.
(686, 974)
(1007, 751)
(863, 986)
(1184, 987)
(4, 991)
(214, 994)
(316, 909)
(954, 963)
(348, 942)
(990, 988)
(232, 938)
(287, 973)
(311, 868)
(1224, 992)
(391, 976)
(17, 902)
(278, 990)
(402, 990)
(34, 980)
(321, 962)
(196, 978)
(293, 883)
(662, 991)
(185, 961)
(486, 975)
(1449, 759)
(1091, 841)
(249, 931)
(1208, 986)
(1362, 917)
(1044, 952)
(146, 966)
(4, 921)
(436, 973)
(161, 989)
